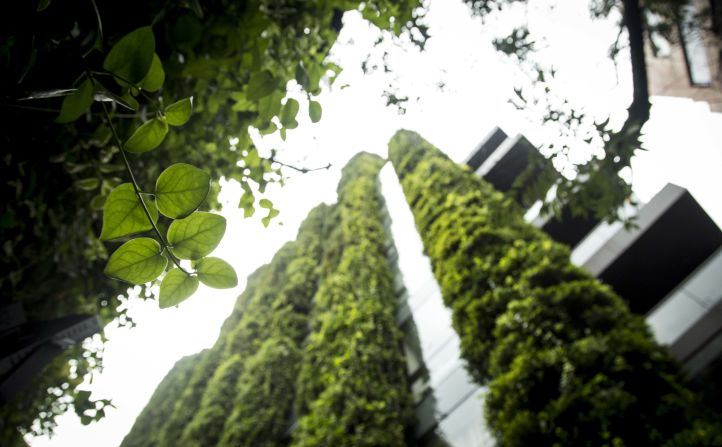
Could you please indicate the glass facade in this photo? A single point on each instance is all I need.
(449, 405)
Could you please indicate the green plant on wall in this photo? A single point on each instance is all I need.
(352, 388)
(313, 332)
(212, 404)
(565, 360)
(97, 113)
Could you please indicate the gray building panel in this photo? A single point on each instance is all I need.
(485, 148)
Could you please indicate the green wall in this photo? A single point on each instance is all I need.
(565, 360)
(312, 342)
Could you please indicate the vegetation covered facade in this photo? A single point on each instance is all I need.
(77, 80)
(311, 355)
(565, 360)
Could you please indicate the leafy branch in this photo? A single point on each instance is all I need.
(179, 192)
(138, 192)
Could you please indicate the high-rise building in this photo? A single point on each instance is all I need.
(691, 64)
(670, 264)
(352, 336)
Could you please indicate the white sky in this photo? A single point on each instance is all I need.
(683, 139)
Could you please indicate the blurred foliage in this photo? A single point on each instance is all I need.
(565, 360)
(591, 185)
(352, 384)
(215, 394)
(312, 342)
(235, 59)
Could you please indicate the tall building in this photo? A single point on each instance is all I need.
(691, 64)
(351, 336)
(673, 258)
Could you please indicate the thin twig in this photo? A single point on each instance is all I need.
(301, 170)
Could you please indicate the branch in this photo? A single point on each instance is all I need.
(296, 168)
(136, 188)
(639, 109)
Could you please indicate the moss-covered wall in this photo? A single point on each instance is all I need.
(312, 341)
(565, 360)
(352, 387)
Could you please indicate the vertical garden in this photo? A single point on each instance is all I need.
(565, 360)
(311, 354)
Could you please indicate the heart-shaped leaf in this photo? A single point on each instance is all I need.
(137, 261)
(76, 104)
(288, 114)
(131, 57)
(178, 113)
(216, 273)
(156, 76)
(176, 287)
(180, 189)
(260, 84)
(314, 111)
(147, 137)
(197, 235)
(123, 213)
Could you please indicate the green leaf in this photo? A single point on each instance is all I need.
(181, 189)
(268, 107)
(302, 77)
(314, 111)
(123, 214)
(87, 184)
(156, 76)
(260, 85)
(178, 113)
(247, 200)
(216, 273)
(176, 287)
(76, 104)
(268, 129)
(272, 212)
(98, 202)
(132, 56)
(147, 137)
(288, 114)
(42, 5)
(242, 104)
(197, 235)
(138, 261)
(127, 100)
(265, 203)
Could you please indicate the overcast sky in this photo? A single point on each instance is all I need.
(682, 138)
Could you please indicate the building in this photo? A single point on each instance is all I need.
(691, 65)
(674, 256)
(344, 338)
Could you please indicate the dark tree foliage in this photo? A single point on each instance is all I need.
(313, 331)
(597, 188)
(234, 58)
(565, 360)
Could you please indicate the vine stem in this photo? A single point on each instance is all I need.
(155, 103)
(136, 188)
